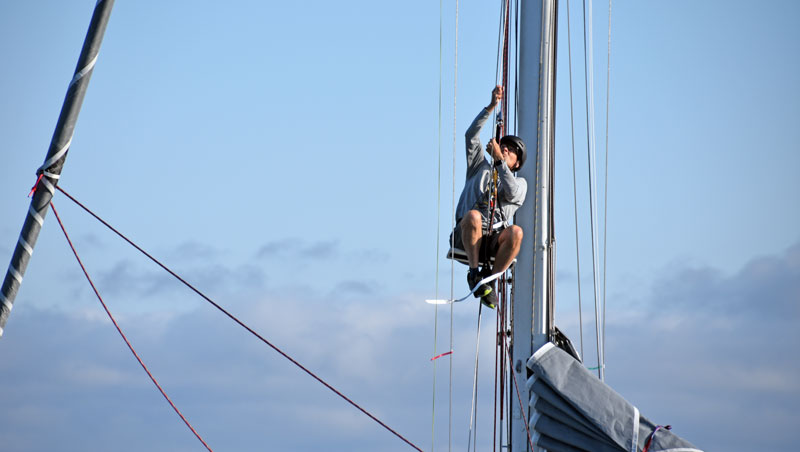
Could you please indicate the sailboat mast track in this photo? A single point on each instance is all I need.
(239, 322)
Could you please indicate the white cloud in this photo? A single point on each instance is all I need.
(704, 370)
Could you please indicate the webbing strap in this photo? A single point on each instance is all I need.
(652, 435)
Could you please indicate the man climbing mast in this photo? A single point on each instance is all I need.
(484, 238)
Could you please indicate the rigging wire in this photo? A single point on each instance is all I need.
(472, 435)
(504, 101)
(574, 178)
(438, 233)
(590, 137)
(501, 73)
(516, 64)
(453, 224)
(605, 185)
(236, 320)
(119, 330)
(499, 44)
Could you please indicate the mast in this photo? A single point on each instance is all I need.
(532, 299)
(50, 171)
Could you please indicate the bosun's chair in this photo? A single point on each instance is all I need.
(460, 255)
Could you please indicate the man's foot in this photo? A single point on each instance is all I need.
(489, 300)
(473, 276)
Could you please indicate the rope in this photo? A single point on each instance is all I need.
(519, 398)
(653, 435)
(499, 44)
(497, 362)
(590, 137)
(119, 330)
(235, 319)
(473, 413)
(504, 102)
(574, 178)
(605, 185)
(516, 63)
(483, 281)
(453, 223)
(438, 233)
(504, 363)
(505, 25)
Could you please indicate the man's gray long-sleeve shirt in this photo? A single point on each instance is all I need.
(511, 190)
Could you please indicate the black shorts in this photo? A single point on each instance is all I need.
(489, 243)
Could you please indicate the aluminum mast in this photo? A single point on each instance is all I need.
(533, 279)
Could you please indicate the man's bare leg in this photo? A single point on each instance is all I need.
(471, 235)
(508, 245)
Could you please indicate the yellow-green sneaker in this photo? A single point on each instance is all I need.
(490, 300)
(473, 277)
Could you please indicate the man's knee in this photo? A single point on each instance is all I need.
(516, 234)
(513, 236)
(473, 216)
(472, 220)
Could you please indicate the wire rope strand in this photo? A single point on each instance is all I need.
(574, 178)
(119, 330)
(473, 411)
(516, 64)
(590, 137)
(605, 185)
(453, 223)
(506, 28)
(237, 321)
(499, 44)
(438, 233)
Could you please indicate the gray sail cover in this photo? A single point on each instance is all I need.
(574, 411)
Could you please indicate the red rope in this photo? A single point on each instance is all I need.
(127, 342)
(239, 322)
(504, 102)
(521, 406)
(503, 362)
(653, 435)
(35, 186)
(496, 361)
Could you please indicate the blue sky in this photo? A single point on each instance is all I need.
(286, 161)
